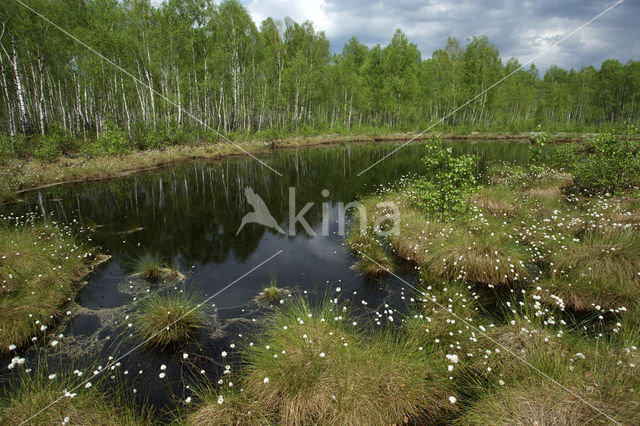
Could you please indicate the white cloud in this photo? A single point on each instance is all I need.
(299, 11)
(518, 29)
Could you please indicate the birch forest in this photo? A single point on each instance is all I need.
(194, 67)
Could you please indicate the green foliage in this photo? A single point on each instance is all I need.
(445, 188)
(114, 141)
(239, 78)
(50, 147)
(269, 134)
(551, 155)
(154, 139)
(92, 149)
(614, 163)
(6, 147)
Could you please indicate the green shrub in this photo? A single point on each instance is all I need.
(6, 148)
(114, 141)
(153, 139)
(448, 180)
(48, 149)
(92, 149)
(613, 165)
(268, 134)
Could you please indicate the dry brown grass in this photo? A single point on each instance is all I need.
(543, 404)
(495, 207)
(496, 200)
(544, 194)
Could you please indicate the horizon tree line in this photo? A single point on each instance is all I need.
(195, 58)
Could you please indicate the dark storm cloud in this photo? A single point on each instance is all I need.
(519, 29)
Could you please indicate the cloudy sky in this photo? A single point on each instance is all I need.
(520, 29)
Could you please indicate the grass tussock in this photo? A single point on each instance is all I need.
(455, 252)
(272, 294)
(601, 269)
(514, 380)
(374, 261)
(40, 269)
(479, 258)
(539, 403)
(89, 406)
(151, 267)
(450, 250)
(169, 319)
(329, 374)
(443, 307)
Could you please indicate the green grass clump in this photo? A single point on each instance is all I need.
(445, 312)
(327, 372)
(272, 294)
(373, 259)
(169, 319)
(478, 257)
(148, 266)
(151, 267)
(38, 396)
(451, 250)
(40, 269)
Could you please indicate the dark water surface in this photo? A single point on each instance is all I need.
(189, 215)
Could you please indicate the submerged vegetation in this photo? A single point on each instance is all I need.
(41, 265)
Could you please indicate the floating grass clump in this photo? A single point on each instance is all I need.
(151, 267)
(169, 319)
(39, 396)
(40, 269)
(272, 294)
(312, 366)
(373, 261)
